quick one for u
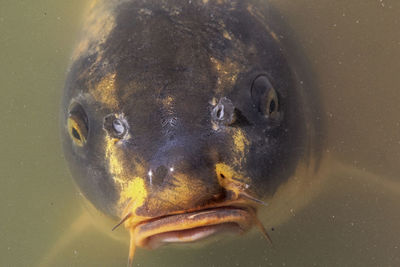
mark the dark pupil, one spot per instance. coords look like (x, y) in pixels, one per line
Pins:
(272, 106)
(219, 111)
(76, 134)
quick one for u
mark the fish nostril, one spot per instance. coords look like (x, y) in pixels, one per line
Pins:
(160, 174)
(224, 112)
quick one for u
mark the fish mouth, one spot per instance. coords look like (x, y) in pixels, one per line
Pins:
(193, 226)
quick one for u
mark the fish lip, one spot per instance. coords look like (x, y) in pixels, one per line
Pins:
(193, 226)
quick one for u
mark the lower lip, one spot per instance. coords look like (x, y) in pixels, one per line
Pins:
(192, 235)
(192, 226)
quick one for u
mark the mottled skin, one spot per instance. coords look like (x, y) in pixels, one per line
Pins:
(161, 67)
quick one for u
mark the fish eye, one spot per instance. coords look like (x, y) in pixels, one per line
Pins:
(78, 126)
(265, 98)
(115, 126)
(272, 104)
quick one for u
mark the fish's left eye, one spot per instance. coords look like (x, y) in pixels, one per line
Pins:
(265, 98)
(78, 126)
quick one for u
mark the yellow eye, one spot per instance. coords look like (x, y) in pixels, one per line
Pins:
(265, 98)
(77, 125)
(272, 104)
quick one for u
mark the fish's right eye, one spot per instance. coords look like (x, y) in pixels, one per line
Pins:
(78, 127)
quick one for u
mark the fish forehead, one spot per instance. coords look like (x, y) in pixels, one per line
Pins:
(147, 44)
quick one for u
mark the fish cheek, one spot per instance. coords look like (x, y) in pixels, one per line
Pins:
(127, 173)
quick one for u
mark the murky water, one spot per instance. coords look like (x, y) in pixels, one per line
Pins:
(353, 48)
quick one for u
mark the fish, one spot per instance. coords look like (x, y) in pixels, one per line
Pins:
(181, 120)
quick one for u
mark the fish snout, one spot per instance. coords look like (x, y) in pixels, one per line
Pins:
(185, 176)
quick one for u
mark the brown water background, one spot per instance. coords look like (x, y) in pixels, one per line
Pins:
(353, 46)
